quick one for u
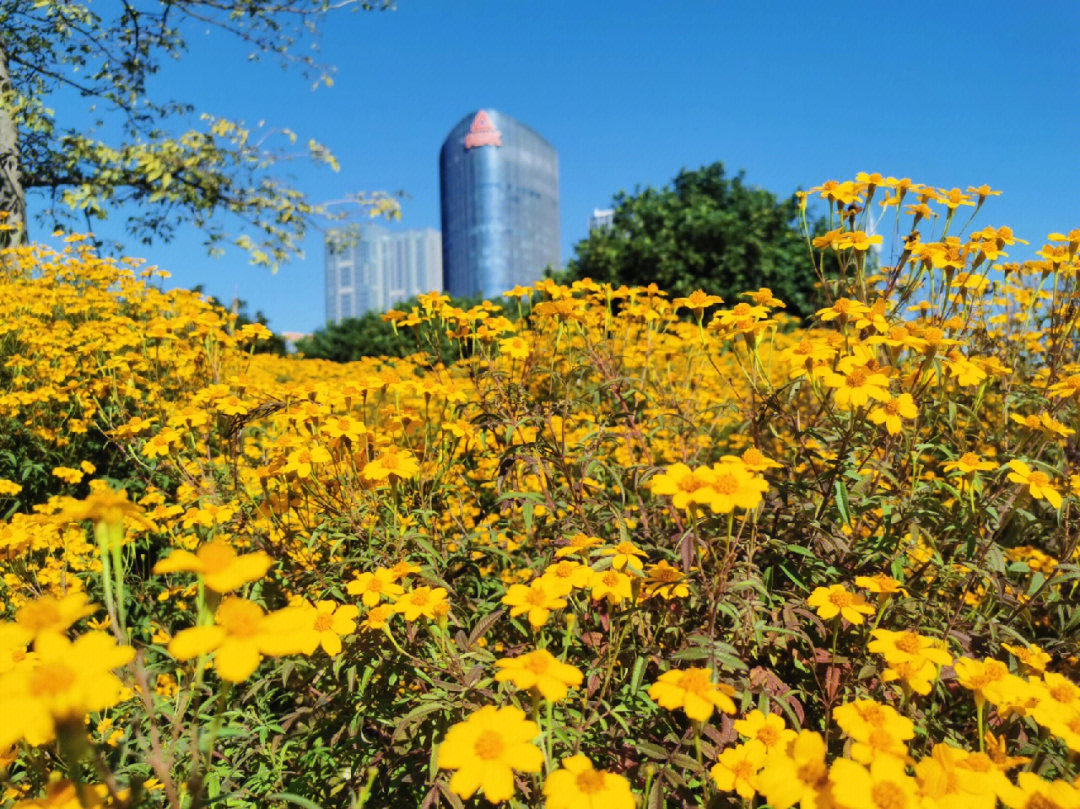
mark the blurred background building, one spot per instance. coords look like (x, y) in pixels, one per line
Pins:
(499, 195)
(601, 218)
(370, 268)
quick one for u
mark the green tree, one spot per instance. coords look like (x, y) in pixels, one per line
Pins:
(706, 231)
(126, 151)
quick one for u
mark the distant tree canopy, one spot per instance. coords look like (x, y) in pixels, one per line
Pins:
(706, 231)
(371, 336)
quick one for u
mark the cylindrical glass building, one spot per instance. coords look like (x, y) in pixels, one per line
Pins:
(499, 192)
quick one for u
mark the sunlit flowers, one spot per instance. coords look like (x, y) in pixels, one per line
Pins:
(578, 785)
(63, 682)
(221, 568)
(50, 615)
(240, 636)
(1038, 483)
(374, 586)
(536, 599)
(422, 602)
(737, 767)
(540, 671)
(693, 691)
(837, 600)
(486, 749)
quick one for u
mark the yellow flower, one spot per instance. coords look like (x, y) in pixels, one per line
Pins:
(893, 410)
(665, 581)
(541, 671)
(796, 773)
(1033, 792)
(537, 598)
(858, 386)
(737, 768)
(565, 575)
(222, 570)
(578, 543)
(986, 678)
(769, 729)
(67, 474)
(63, 682)
(486, 749)
(1031, 657)
(425, 601)
(330, 621)
(371, 587)
(49, 615)
(9, 487)
(731, 486)
(393, 464)
(1038, 483)
(63, 794)
(616, 587)
(835, 600)
(881, 584)
(577, 785)
(692, 690)
(883, 786)
(908, 647)
(625, 554)
(241, 635)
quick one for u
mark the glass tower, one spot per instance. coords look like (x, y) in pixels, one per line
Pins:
(499, 193)
(370, 268)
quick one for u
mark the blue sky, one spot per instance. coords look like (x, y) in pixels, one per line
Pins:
(951, 94)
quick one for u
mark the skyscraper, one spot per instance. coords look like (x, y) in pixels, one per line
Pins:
(373, 268)
(499, 192)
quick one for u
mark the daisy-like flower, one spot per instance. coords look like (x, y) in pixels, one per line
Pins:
(422, 601)
(50, 615)
(732, 486)
(616, 587)
(796, 773)
(893, 411)
(374, 586)
(625, 554)
(1038, 483)
(769, 729)
(880, 584)
(329, 621)
(908, 647)
(836, 600)
(1031, 657)
(578, 785)
(538, 598)
(737, 768)
(221, 568)
(665, 581)
(540, 671)
(486, 749)
(692, 690)
(578, 543)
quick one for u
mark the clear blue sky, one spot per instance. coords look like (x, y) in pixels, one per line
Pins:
(948, 93)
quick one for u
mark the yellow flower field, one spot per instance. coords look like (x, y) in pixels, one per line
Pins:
(625, 551)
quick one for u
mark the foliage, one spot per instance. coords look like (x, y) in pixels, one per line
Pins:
(377, 334)
(610, 554)
(707, 231)
(132, 153)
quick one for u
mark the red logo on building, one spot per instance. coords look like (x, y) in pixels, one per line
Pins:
(482, 132)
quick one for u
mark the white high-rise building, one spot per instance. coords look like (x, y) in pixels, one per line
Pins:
(373, 268)
(601, 218)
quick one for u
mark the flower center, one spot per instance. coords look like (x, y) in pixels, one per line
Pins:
(50, 679)
(419, 598)
(726, 484)
(768, 735)
(324, 622)
(1038, 479)
(696, 682)
(840, 598)
(590, 781)
(537, 664)
(887, 795)
(813, 773)
(856, 379)
(909, 642)
(489, 745)
(536, 598)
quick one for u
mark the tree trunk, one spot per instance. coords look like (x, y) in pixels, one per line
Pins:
(12, 194)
